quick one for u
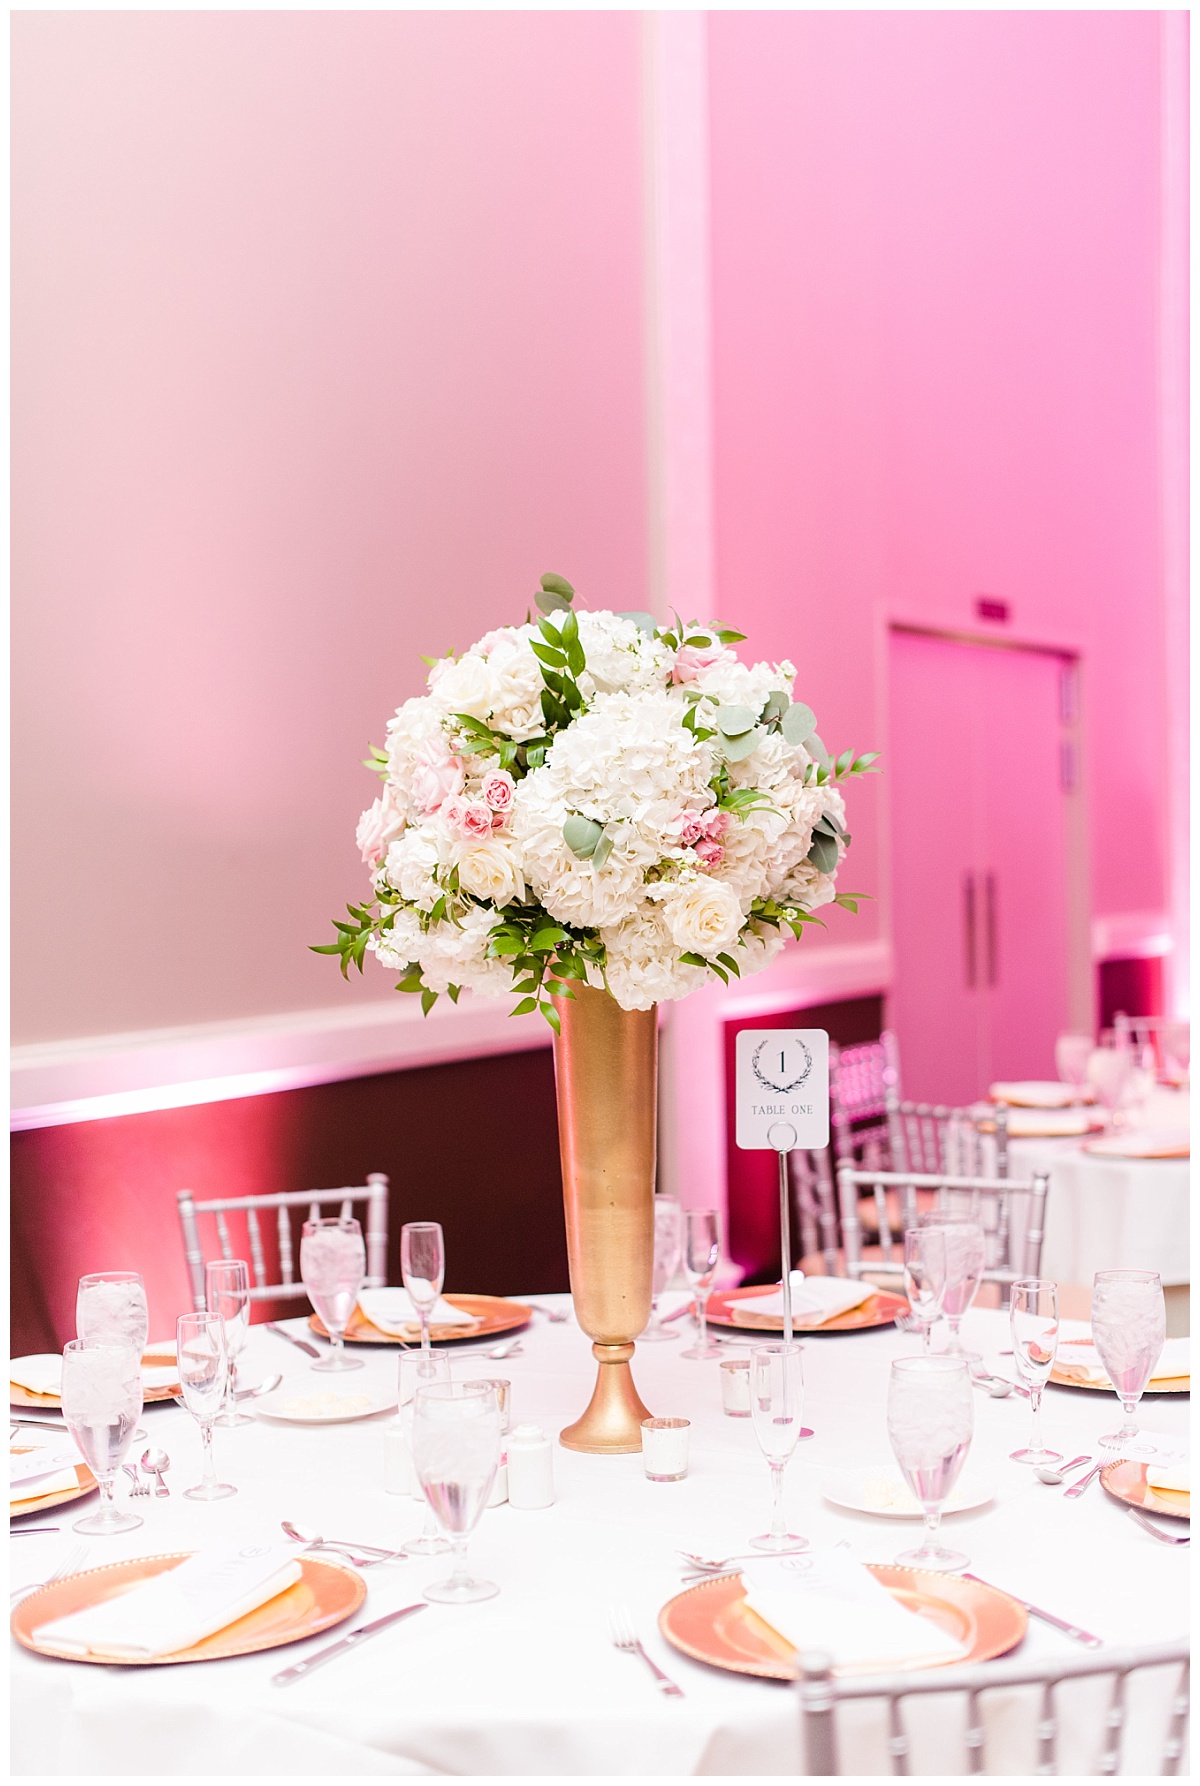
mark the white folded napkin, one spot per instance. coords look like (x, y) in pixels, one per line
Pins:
(172, 1611)
(1079, 1359)
(1034, 1094)
(1039, 1124)
(814, 1299)
(1175, 1479)
(824, 1600)
(43, 1471)
(393, 1311)
(41, 1374)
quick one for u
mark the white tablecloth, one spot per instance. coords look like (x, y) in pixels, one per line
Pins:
(528, 1682)
(1107, 1213)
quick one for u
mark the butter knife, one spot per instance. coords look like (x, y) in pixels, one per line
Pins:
(357, 1636)
(282, 1333)
(1047, 1618)
(1077, 1488)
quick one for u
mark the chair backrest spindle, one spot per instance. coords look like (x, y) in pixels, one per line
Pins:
(374, 1194)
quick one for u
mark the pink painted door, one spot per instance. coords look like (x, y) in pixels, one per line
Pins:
(979, 864)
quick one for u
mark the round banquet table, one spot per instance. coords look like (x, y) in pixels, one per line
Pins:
(528, 1682)
(1103, 1213)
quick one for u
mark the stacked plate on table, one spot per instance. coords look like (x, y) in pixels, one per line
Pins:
(1155, 1490)
(388, 1318)
(1142, 1144)
(45, 1476)
(819, 1305)
(35, 1381)
(1077, 1366)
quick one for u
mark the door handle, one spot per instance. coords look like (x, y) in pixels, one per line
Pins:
(969, 927)
(989, 926)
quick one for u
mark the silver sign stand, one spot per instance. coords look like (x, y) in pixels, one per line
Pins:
(782, 1137)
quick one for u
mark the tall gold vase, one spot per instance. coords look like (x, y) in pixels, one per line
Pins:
(606, 1068)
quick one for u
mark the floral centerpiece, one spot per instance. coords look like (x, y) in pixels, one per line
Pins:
(594, 797)
(597, 813)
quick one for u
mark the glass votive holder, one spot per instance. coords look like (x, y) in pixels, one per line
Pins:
(503, 1388)
(665, 1449)
(735, 1387)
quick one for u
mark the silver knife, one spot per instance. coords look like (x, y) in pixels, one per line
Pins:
(1077, 1488)
(281, 1333)
(348, 1642)
(1047, 1618)
(41, 1420)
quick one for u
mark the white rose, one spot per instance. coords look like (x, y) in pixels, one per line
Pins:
(412, 865)
(463, 687)
(703, 915)
(490, 870)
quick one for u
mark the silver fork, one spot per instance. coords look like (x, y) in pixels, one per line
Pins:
(1148, 1525)
(68, 1566)
(139, 1487)
(620, 1629)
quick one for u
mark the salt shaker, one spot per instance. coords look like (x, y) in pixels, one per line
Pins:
(530, 1468)
(399, 1477)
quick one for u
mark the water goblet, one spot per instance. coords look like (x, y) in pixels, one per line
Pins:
(101, 1403)
(776, 1408)
(333, 1264)
(1071, 1056)
(966, 1252)
(668, 1241)
(1033, 1324)
(110, 1309)
(423, 1269)
(456, 1453)
(227, 1294)
(701, 1251)
(1129, 1325)
(417, 1370)
(1108, 1070)
(930, 1418)
(925, 1277)
(203, 1373)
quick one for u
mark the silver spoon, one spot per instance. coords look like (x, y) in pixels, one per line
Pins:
(263, 1388)
(1052, 1477)
(154, 1462)
(361, 1554)
(715, 1565)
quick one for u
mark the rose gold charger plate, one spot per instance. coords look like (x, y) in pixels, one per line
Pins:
(326, 1594)
(490, 1314)
(879, 1310)
(712, 1623)
(42, 1503)
(1156, 1385)
(151, 1358)
(1126, 1481)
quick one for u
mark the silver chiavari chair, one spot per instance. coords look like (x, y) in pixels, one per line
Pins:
(811, 1179)
(374, 1194)
(1013, 1249)
(970, 1139)
(861, 1079)
(1160, 1727)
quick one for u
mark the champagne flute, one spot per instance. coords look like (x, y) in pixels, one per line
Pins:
(701, 1251)
(416, 1371)
(1071, 1056)
(930, 1420)
(668, 1220)
(110, 1310)
(456, 1453)
(1129, 1326)
(423, 1269)
(966, 1251)
(1033, 1324)
(925, 1277)
(203, 1373)
(776, 1407)
(227, 1294)
(333, 1264)
(101, 1403)
(1108, 1072)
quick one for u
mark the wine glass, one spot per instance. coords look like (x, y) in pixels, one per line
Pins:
(423, 1268)
(701, 1251)
(110, 1309)
(776, 1407)
(1129, 1325)
(930, 1420)
(1071, 1056)
(456, 1453)
(417, 1371)
(1175, 1040)
(966, 1252)
(925, 1277)
(203, 1373)
(1033, 1324)
(101, 1404)
(668, 1221)
(1108, 1071)
(333, 1264)
(227, 1294)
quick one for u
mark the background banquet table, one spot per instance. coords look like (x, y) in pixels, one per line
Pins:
(528, 1682)
(1101, 1209)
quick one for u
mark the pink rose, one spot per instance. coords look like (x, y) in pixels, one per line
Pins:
(692, 829)
(498, 790)
(436, 776)
(691, 659)
(469, 817)
(716, 823)
(373, 833)
(711, 854)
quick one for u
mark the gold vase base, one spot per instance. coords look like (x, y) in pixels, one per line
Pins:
(612, 1420)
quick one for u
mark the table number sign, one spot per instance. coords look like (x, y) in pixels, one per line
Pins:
(782, 1092)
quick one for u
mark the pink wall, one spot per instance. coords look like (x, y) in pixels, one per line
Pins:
(327, 342)
(935, 314)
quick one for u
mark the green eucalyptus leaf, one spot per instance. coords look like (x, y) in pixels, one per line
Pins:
(548, 601)
(798, 723)
(823, 853)
(644, 622)
(582, 835)
(815, 749)
(775, 706)
(734, 722)
(555, 585)
(736, 749)
(602, 851)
